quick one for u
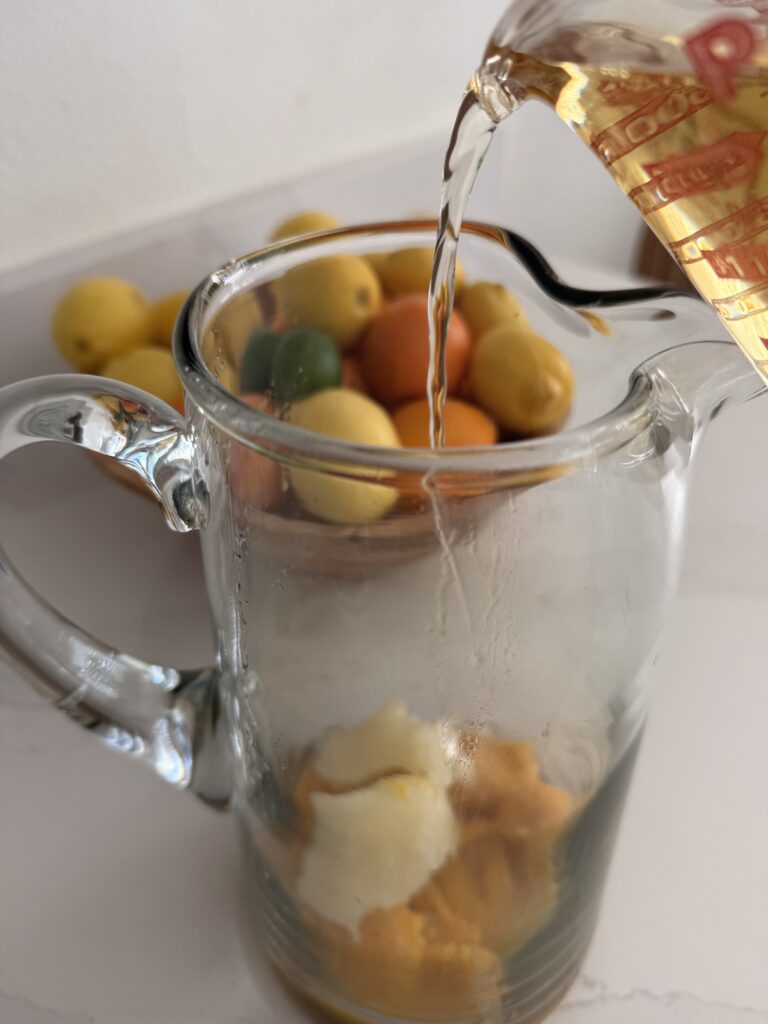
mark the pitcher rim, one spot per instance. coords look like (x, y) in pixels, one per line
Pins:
(282, 440)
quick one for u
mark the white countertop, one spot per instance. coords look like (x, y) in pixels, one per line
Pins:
(119, 896)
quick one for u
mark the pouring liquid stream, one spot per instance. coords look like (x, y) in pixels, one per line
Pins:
(695, 167)
(484, 104)
(471, 136)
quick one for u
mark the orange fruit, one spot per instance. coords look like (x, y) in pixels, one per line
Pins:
(395, 351)
(465, 424)
(256, 480)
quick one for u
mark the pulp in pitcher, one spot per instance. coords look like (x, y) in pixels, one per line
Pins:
(435, 872)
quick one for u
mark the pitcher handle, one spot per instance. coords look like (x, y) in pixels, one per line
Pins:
(164, 716)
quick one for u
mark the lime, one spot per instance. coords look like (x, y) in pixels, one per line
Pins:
(258, 357)
(307, 361)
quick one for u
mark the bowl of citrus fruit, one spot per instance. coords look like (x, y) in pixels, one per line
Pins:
(339, 346)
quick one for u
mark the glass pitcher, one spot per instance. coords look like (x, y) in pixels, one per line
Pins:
(673, 99)
(425, 724)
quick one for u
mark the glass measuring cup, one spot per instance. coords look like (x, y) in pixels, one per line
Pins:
(492, 646)
(673, 99)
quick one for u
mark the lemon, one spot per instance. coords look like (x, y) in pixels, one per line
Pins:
(303, 224)
(334, 294)
(349, 416)
(376, 261)
(152, 370)
(98, 318)
(164, 315)
(522, 380)
(486, 304)
(409, 270)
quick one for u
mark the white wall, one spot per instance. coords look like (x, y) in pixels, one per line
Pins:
(117, 113)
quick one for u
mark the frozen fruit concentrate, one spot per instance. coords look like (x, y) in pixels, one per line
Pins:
(374, 847)
(418, 923)
(392, 740)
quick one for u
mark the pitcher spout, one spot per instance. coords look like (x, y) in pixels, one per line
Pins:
(694, 382)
